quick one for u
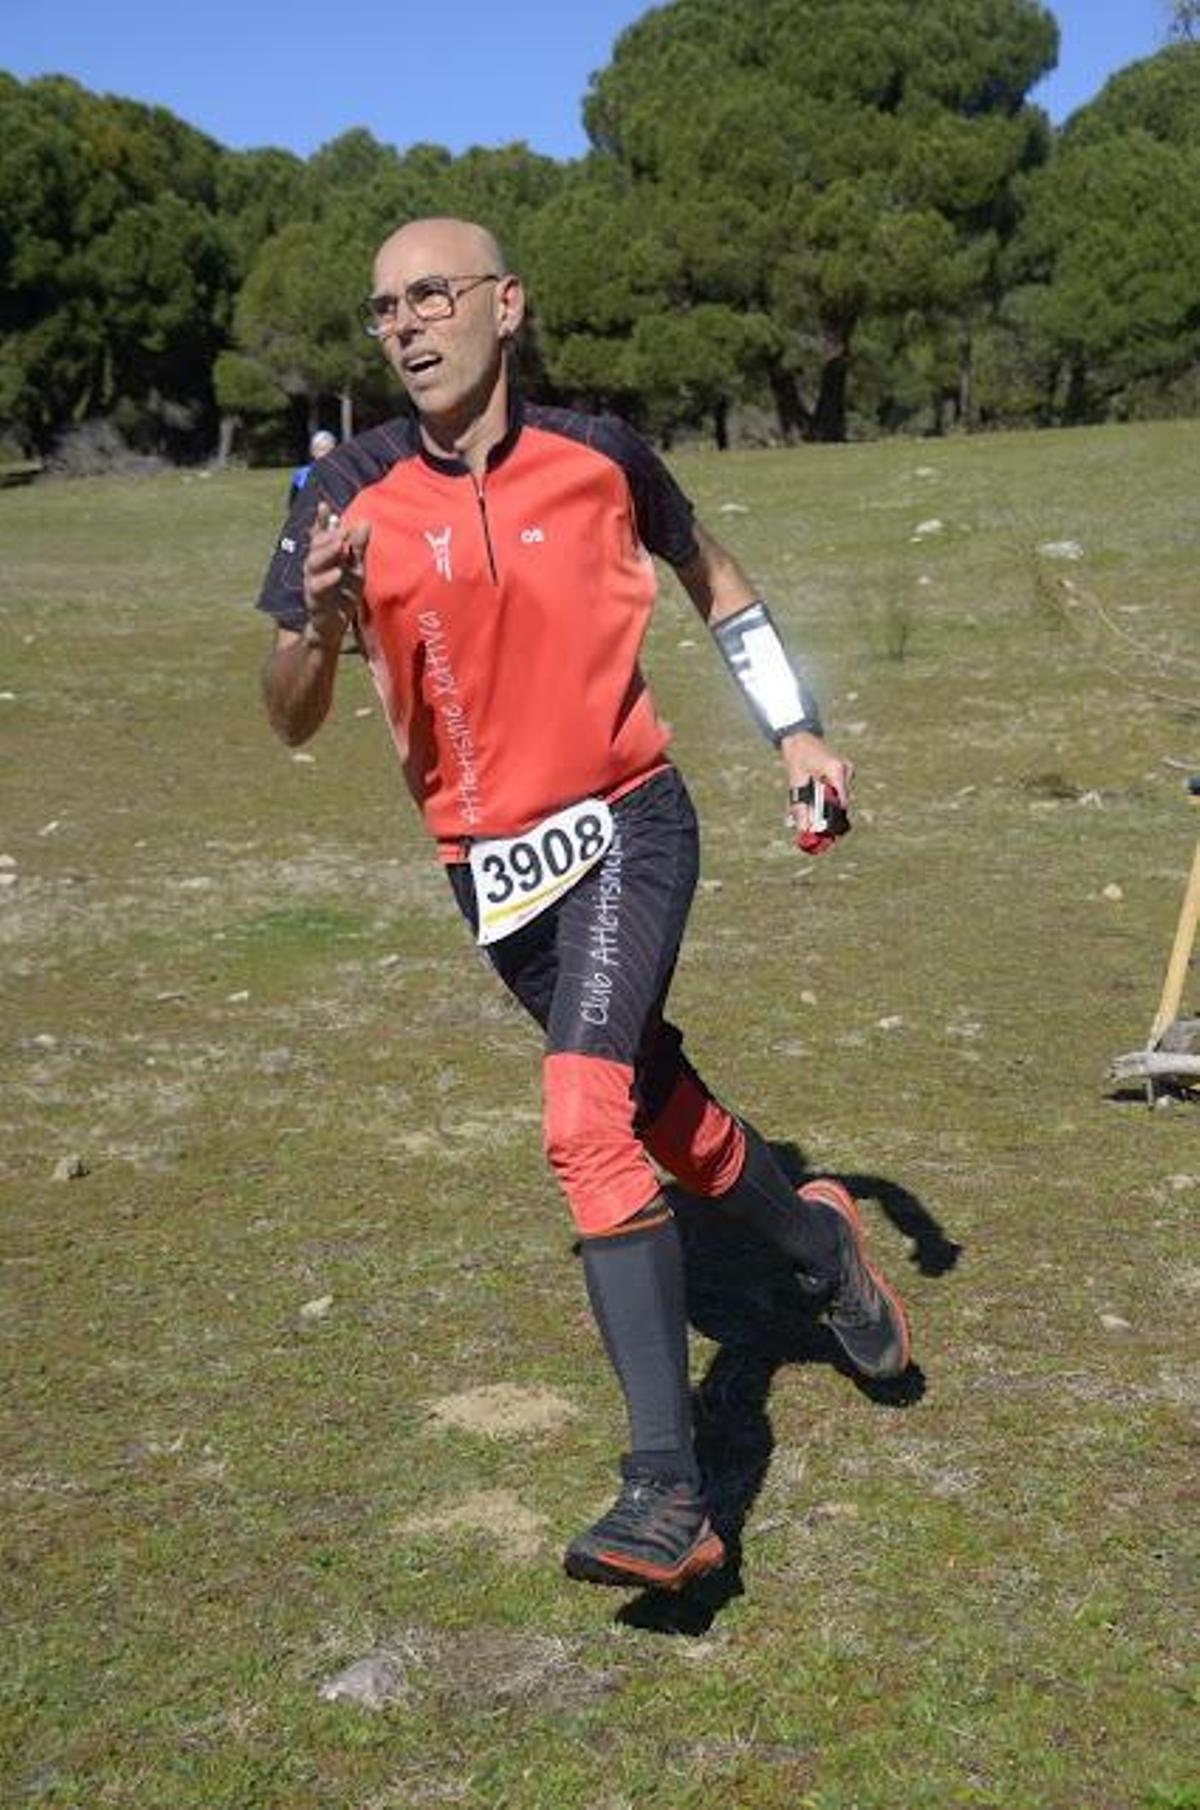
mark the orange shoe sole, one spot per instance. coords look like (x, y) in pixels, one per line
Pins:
(618, 1568)
(832, 1194)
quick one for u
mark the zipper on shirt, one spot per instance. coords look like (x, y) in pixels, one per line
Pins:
(487, 532)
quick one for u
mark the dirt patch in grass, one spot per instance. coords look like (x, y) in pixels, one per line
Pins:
(470, 1670)
(498, 1515)
(503, 1411)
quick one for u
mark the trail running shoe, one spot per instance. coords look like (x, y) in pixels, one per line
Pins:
(864, 1313)
(657, 1534)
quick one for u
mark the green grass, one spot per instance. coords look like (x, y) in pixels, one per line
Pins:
(234, 983)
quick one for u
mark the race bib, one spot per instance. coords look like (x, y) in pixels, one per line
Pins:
(516, 877)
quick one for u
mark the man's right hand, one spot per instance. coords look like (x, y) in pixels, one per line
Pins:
(334, 569)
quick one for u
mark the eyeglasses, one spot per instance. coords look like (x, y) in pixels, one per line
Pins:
(428, 299)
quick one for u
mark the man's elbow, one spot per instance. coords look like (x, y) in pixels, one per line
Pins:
(292, 724)
(291, 733)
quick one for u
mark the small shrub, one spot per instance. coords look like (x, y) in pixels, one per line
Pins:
(1047, 597)
(896, 621)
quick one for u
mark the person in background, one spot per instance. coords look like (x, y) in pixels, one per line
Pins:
(493, 559)
(322, 442)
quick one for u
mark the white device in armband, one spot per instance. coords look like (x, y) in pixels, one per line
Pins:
(756, 657)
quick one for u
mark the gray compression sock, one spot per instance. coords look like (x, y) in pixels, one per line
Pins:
(763, 1198)
(635, 1285)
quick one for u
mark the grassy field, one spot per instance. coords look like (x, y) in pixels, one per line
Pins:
(300, 1372)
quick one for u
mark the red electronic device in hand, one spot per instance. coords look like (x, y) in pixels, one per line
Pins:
(827, 816)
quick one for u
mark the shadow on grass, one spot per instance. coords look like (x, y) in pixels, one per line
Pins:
(742, 1295)
(1167, 1094)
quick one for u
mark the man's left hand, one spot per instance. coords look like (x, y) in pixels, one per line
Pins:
(809, 763)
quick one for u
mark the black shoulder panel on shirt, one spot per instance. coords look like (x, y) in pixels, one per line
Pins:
(337, 478)
(664, 514)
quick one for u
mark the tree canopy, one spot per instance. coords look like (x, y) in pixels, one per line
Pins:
(1107, 257)
(800, 218)
(855, 158)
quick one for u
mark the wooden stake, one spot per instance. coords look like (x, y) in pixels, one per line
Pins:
(1181, 955)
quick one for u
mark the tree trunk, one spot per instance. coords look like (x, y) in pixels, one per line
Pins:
(966, 374)
(720, 416)
(1047, 415)
(1075, 408)
(346, 405)
(226, 434)
(829, 416)
(795, 421)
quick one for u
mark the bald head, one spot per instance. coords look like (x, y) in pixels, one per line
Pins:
(445, 245)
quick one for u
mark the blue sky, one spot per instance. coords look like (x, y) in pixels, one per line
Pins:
(459, 72)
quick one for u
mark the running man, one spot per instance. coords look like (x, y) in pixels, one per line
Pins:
(493, 559)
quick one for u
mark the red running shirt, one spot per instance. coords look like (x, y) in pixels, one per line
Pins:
(503, 618)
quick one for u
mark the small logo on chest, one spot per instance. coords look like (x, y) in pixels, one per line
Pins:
(532, 537)
(439, 546)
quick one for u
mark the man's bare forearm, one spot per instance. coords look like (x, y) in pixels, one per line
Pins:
(714, 580)
(297, 686)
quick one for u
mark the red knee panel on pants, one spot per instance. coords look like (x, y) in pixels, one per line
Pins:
(587, 1129)
(694, 1137)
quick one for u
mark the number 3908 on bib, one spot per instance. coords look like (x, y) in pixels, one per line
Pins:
(516, 877)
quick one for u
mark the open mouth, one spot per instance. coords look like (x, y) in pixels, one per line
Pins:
(420, 363)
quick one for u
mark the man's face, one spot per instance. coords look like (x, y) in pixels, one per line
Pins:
(451, 367)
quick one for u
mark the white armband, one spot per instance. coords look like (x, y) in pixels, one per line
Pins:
(756, 657)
